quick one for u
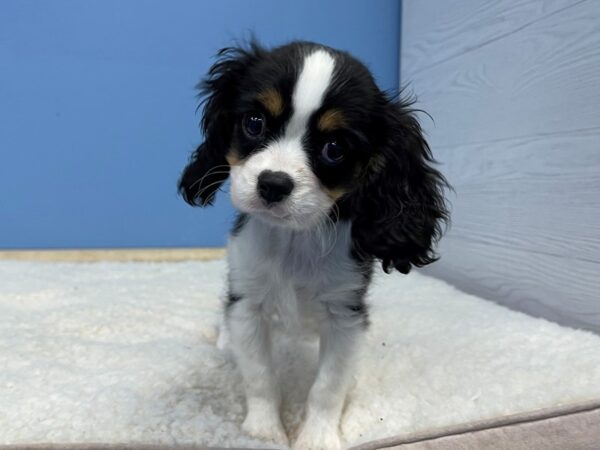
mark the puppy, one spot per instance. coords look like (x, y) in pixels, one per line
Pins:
(329, 175)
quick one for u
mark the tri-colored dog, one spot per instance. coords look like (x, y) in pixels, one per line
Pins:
(329, 174)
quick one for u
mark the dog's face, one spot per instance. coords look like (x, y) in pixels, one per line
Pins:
(307, 136)
(291, 154)
(301, 134)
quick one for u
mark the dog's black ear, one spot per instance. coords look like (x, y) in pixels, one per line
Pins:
(400, 207)
(208, 167)
(202, 177)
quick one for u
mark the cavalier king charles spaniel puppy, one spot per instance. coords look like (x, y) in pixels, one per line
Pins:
(329, 175)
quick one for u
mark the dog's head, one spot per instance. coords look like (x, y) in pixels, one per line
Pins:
(306, 136)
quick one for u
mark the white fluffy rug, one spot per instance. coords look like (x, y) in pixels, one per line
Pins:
(126, 352)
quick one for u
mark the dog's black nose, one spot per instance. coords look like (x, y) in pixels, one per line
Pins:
(274, 186)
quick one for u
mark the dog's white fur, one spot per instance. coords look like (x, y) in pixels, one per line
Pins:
(301, 279)
(290, 263)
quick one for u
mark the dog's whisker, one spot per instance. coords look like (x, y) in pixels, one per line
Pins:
(221, 172)
(208, 186)
(208, 198)
(202, 191)
(199, 181)
(210, 172)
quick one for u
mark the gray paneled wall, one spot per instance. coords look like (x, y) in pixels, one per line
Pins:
(514, 90)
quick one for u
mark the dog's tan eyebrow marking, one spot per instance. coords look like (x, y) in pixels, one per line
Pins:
(331, 120)
(272, 100)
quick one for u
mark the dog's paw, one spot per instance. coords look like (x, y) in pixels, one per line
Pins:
(318, 435)
(266, 428)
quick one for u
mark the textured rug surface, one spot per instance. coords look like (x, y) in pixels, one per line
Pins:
(126, 352)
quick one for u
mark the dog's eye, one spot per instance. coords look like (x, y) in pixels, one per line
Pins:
(332, 153)
(254, 124)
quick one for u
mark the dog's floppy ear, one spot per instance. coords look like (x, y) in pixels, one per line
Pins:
(400, 207)
(208, 167)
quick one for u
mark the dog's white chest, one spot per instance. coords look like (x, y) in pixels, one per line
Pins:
(290, 272)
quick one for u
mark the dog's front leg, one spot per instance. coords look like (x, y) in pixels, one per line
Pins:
(339, 337)
(250, 342)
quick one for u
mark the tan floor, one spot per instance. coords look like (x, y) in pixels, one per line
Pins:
(120, 254)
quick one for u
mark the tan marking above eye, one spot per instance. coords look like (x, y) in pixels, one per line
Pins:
(331, 120)
(272, 101)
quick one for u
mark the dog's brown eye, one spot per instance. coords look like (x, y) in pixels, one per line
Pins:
(332, 153)
(254, 124)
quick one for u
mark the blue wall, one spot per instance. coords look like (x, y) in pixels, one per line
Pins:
(97, 108)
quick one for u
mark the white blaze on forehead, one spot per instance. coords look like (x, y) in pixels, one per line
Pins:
(313, 81)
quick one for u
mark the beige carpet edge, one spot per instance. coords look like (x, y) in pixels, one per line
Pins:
(115, 254)
(540, 416)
